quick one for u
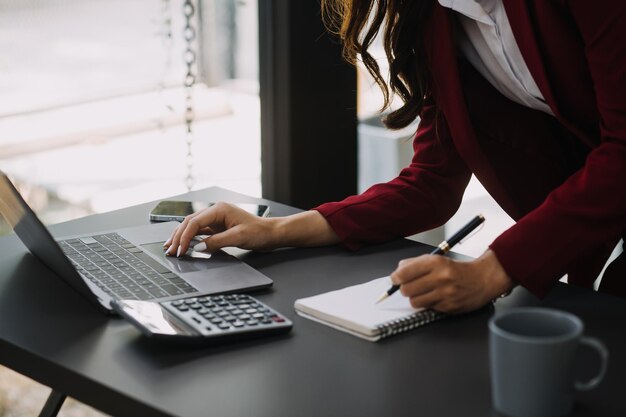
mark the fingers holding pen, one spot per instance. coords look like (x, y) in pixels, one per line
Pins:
(451, 286)
(428, 281)
(411, 269)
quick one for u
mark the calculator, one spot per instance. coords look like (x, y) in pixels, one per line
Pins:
(204, 319)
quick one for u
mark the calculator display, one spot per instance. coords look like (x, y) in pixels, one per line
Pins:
(157, 319)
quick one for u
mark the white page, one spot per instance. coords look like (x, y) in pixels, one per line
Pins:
(355, 307)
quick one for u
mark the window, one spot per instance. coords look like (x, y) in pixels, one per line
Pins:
(92, 101)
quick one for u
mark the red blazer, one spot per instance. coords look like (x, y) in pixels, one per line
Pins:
(562, 179)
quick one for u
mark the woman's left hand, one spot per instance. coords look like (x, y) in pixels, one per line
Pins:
(449, 286)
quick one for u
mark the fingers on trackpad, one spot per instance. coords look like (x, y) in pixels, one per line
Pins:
(198, 255)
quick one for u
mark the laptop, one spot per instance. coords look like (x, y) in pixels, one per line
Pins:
(126, 263)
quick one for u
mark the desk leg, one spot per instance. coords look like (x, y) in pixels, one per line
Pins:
(53, 404)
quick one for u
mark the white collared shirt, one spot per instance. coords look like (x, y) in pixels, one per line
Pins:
(488, 43)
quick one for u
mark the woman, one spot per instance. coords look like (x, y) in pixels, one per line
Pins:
(529, 96)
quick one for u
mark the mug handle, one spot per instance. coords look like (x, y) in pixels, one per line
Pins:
(599, 347)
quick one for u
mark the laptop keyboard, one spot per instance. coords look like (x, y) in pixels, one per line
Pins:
(121, 269)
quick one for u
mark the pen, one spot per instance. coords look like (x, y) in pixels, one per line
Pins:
(444, 247)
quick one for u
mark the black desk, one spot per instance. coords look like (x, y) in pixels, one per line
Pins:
(49, 333)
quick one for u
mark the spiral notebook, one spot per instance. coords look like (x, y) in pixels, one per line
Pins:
(354, 310)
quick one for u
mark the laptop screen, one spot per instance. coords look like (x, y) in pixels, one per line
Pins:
(10, 206)
(35, 236)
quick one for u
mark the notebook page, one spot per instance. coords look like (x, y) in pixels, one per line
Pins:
(355, 307)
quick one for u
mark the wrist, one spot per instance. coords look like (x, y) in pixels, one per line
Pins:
(498, 282)
(308, 228)
(278, 230)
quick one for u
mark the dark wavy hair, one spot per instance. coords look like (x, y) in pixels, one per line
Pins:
(358, 22)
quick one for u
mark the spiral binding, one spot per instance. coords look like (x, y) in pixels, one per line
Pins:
(410, 322)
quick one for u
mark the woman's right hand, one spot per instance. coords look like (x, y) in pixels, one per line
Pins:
(229, 225)
(226, 225)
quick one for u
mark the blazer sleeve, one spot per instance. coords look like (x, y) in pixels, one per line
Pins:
(589, 208)
(425, 194)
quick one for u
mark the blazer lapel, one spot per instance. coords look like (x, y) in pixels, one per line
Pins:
(525, 27)
(521, 24)
(448, 92)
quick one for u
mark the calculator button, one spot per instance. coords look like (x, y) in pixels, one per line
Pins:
(225, 315)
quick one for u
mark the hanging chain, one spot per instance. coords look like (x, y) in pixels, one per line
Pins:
(167, 40)
(189, 56)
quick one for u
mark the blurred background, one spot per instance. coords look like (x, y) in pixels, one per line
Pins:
(93, 102)
(109, 103)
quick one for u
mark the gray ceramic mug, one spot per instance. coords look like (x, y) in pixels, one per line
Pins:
(532, 352)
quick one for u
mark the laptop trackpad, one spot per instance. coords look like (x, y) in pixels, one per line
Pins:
(221, 272)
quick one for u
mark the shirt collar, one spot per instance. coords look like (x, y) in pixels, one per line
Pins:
(474, 9)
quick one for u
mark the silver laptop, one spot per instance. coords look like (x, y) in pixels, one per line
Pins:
(127, 263)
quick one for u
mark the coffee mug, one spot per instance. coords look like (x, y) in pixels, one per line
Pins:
(532, 352)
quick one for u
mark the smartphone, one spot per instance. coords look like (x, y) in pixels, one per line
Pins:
(168, 210)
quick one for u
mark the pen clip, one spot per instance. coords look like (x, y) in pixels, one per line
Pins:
(478, 229)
